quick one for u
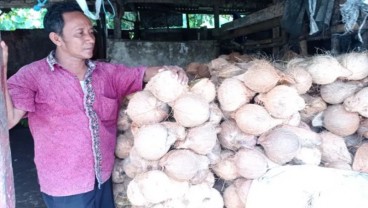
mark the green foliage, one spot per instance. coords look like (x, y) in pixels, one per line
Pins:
(127, 22)
(26, 18)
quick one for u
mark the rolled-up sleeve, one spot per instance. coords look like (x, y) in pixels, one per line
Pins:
(22, 90)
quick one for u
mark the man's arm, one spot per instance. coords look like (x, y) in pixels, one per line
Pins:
(179, 72)
(14, 115)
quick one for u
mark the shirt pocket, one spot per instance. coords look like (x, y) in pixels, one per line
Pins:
(107, 108)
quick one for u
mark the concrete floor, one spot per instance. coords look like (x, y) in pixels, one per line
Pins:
(27, 191)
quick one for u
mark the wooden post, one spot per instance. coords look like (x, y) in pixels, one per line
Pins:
(335, 41)
(117, 20)
(275, 35)
(7, 194)
(217, 16)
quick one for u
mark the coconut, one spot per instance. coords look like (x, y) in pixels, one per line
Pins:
(360, 159)
(204, 88)
(280, 145)
(250, 163)
(172, 164)
(154, 187)
(124, 144)
(200, 139)
(226, 167)
(339, 121)
(232, 138)
(153, 141)
(144, 108)
(303, 80)
(358, 102)
(232, 93)
(282, 101)
(165, 86)
(357, 63)
(338, 91)
(261, 76)
(324, 69)
(334, 149)
(191, 110)
(254, 119)
(313, 106)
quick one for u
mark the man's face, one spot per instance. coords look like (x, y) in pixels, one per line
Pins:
(77, 39)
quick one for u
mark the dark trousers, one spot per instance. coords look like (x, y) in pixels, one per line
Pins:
(97, 198)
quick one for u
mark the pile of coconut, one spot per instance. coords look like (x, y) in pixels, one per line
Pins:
(201, 144)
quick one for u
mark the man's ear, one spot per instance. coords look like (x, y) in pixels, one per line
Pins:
(55, 38)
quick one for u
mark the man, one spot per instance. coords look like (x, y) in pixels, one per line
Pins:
(72, 106)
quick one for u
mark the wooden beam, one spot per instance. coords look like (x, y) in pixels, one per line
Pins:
(249, 29)
(269, 13)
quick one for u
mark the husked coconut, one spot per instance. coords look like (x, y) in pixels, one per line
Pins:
(191, 110)
(123, 120)
(232, 93)
(175, 130)
(307, 137)
(118, 175)
(303, 80)
(334, 149)
(216, 114)
(144, 108)
(280, 145)
(308, 156)
(293, 120)
(214, 154)
(119, 192)
(183, 165)
(198, 70)
(232, 138)
(153, 141)
(254, 119)
(231, 198)
(226, 167)
(217, 64)
(313, 106)
(363, 128)
(250, 163)
(324, 69)
(358, 102)
(205, 88)
(154, 187)
(282, 101)
(356, 62)
(134, 164)
(202, 195)
(338, 91)
(165, 86)
(360, 159)
(339, 121)
(261, 76)
(124, 144)
(200, 139)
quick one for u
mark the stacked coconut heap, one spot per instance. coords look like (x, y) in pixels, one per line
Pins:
(202, 144)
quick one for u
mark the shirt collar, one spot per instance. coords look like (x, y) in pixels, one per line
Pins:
(51, 60)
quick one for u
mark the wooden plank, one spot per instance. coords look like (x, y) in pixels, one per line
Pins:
(269, 13)
(7, 195)
(248, 30)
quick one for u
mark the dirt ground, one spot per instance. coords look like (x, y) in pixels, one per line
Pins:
(27, 191)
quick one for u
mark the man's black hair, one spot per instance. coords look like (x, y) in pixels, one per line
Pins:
(53, 20)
